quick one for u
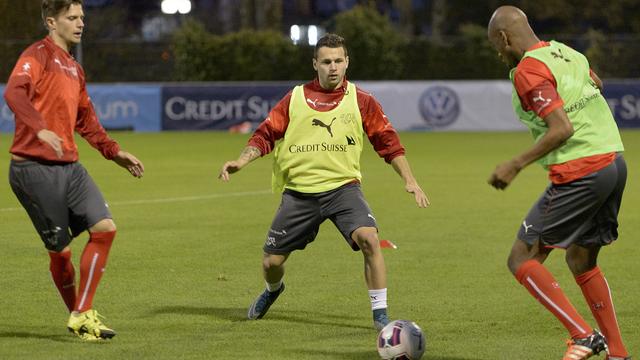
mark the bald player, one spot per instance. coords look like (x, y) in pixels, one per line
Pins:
(558, 97)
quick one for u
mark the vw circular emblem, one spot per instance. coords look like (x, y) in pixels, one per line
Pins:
(439, 106)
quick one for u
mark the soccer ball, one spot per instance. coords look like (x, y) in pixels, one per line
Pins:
(401, 340)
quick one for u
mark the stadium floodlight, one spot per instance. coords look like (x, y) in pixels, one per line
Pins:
(294, 33)
(176, 6)
(312, 35)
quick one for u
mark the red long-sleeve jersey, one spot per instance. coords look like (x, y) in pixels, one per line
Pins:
(47, 90)
(381, 134)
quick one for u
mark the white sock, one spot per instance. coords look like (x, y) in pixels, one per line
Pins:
(274, 286)
(378, 298)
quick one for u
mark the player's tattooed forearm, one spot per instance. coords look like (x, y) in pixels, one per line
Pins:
(250, 153)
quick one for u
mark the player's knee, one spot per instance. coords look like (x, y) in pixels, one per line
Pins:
(581, 259)
(368, 243)
(577, 264)
(272, 260)
(513, 264)
(104, 225)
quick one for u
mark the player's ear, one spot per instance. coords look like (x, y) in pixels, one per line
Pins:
(346, 59)
(315, 64)
(51, 23)
(504, 38)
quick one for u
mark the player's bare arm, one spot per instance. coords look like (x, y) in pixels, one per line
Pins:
(560, 130)
(129, 162)
(52, 139)
(247, 155)
(401, 166)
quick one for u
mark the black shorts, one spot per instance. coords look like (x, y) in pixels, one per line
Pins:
(61, 199)
(583, 212)
(299, 217)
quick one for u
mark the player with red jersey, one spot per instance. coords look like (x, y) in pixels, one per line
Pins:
(558, 97)
(47, 93)
(316, 133)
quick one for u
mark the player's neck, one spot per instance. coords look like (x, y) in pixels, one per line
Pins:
(59, 41)
(329, 88)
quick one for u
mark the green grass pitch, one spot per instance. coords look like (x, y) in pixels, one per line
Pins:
(186, 262)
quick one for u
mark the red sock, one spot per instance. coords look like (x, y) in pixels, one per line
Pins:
(64, 276)
(596, 291)
(92, 263)
(543, 286)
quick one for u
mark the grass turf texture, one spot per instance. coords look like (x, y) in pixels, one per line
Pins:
(185, 264)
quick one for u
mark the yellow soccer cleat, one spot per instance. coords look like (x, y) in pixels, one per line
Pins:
(89, 323)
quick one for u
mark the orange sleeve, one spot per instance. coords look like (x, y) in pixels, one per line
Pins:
(381, 134)
(272, 128)
(536, 87)
(21, 88)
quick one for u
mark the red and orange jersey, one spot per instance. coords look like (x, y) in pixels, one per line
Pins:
(381, 134)
(47, 90)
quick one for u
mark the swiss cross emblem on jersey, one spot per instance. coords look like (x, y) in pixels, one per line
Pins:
(26, 67)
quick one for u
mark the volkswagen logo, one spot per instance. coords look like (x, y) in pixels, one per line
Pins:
(439, 106)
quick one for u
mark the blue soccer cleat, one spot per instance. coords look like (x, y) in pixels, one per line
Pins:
(380, 318)
(262, 303)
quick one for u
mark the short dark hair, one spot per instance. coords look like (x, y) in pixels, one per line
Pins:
(53, 8)
(332, 41)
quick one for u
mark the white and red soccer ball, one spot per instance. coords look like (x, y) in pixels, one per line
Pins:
(401, 340)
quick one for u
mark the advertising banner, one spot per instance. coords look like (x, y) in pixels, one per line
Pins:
(201, 107)
(446, 105)
(410, 105)
(6, 116)
(118, 106)
(127, 107)
(624, 100)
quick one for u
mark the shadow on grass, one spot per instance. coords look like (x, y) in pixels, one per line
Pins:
(336, 354)
(367, 355)
(240, 314)
(30, 335)
(231, 314)
(319, 319)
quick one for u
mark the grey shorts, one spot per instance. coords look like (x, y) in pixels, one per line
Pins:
(583, 212)
(61, 199)
(298, 219)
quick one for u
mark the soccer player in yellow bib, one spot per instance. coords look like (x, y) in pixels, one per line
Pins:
(316, 132)
(557, 96)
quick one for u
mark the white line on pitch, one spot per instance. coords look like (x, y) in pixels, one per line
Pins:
(174, 199)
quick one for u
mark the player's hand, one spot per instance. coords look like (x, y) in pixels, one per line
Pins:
(129, 162)
(504, 174)
(229, 168)
(53, 140)
(421, 197)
